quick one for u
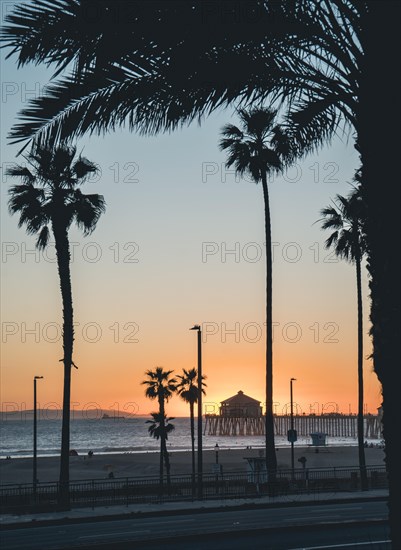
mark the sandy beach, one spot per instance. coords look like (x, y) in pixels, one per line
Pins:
(19, 470)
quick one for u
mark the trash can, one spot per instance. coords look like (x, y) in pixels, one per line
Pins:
(318, 439)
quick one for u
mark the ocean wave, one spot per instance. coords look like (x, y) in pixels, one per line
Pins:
(122, 449)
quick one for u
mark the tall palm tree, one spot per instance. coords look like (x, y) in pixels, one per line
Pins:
(328, 60)
(253, 149)
(156, 429)
(49, 201)
(346, 218)
(160, 386)
(188, 390)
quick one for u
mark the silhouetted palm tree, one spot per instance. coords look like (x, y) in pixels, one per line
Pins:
(156, 429)
(49, 201)
(188, 390)
(160, 386)
(253, 149)
(346, 217)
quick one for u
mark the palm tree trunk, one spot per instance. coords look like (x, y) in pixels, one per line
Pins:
(164, 454)
(63, 264)
(162, 443)
(167, 464)
(377, 140)
(271, 460)
(192, 417)
(361, 446)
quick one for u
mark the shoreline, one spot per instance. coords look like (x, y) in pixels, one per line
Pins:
(303, 442)
(146, 463)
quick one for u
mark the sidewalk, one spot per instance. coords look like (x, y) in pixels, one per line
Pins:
(103, 513)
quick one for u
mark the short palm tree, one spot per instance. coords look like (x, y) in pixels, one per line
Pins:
(161, 386)
(49, 201)
(155, 430)
(188, 390)
(254, 148)
(345, 218)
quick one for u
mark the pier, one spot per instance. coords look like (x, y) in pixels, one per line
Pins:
(335, 425)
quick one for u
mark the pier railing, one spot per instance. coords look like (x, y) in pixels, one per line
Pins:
(126, 491)
(334, 425)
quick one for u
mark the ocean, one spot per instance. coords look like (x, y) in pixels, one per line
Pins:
(125, 435)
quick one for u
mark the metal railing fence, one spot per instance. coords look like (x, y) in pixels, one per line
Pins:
(126, 491)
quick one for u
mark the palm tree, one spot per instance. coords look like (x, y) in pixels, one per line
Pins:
(346, 217)
(188, 391)
(328, 60)
(160, 386)
(49, 201)
(156, 429)
(253, 149)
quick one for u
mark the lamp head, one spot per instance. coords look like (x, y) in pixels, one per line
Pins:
(293, 379)
(38, 377)
(195, 327)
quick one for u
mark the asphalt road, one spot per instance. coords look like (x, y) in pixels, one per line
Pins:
(287, 528)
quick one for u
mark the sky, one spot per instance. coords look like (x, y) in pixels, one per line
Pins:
(182, 243)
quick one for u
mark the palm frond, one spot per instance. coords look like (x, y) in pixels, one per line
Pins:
(22, 196)
(41, 32)
(87, 210)
(259, 121)
(331, 240)
(43, 238)
(22, 172)
(157, 77)
(231, 132)
(83, 168)
(311, 123)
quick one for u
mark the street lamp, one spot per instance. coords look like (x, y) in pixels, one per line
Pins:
(200, 462)
(35, 467)
(293, 434)
(217, 467)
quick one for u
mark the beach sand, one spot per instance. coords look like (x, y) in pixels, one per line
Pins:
(19, 470)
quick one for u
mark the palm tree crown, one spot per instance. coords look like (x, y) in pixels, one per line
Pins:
(159, 384)
(187, 386)
(258, 148)
(155, 428)
(49, 193)
(346, 217)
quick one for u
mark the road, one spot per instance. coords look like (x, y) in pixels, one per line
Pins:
(271, 528)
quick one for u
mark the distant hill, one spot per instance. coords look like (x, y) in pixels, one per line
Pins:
(105, 415)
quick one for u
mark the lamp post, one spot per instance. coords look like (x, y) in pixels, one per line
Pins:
(200, 461)
(293, 436)
(35, 466)
(217, 467)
